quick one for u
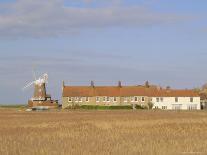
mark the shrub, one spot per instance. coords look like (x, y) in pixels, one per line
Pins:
(98, 107)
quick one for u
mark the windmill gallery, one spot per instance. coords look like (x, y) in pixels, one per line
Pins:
(139, 95)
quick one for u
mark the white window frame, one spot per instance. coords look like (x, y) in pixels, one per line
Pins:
(177, 106)
(164, 107)
(192, 106)
(157, 99)
(176, 99)
(104, 99)
(76, 99)
(125, 99)
(142, 98)
(161, 99)
(107, 99)
(114, 99)
(136, 99)
(87, 99)
(70, 99)
(80, 99)
(97, 99)
(191, 99)
(132, 98)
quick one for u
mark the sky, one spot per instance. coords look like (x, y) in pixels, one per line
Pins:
(162, 41)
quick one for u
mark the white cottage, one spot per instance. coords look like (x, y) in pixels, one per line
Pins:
(176, 100)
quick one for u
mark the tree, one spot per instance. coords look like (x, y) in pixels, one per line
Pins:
(204, 87)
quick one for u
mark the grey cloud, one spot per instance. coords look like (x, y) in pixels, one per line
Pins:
(50, 18)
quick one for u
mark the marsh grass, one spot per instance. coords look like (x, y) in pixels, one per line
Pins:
(103, 132)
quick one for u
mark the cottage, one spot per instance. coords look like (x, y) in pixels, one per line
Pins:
(165, 99)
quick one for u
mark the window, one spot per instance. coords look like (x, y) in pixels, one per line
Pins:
(80, 99)
(157, 99)
(108, 99)
(156, 107)
(177, 106)
(164, 107)
(70, 99)
(191, 99)
(97, 99)
(115, 99)
(104, 99)
(176, 99)
(192, 106)
(136, 99)
(125, 99)
(143, 99)
(161, 99)
(76, 99)
(87, 99)
(132, 99)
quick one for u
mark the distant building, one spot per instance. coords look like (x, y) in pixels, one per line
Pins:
(166, 99)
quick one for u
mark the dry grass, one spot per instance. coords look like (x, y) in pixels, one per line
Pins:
(102, 132)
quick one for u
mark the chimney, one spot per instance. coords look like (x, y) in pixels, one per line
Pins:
(92, 84)
(119, 84)
(168, 87)
(147, 84)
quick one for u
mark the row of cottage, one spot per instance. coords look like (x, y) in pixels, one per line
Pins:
(166, 99)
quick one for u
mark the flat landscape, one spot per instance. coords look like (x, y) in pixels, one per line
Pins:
(102, 132)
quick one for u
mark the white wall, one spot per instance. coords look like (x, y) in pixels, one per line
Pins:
(184, 102)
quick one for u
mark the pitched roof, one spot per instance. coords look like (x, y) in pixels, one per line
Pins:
(88, 91)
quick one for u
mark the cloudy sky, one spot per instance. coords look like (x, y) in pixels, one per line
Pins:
(163, 41)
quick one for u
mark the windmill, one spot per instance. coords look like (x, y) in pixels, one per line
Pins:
(39, 88)
(40, 96)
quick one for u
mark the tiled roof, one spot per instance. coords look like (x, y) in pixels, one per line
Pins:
(89, 91)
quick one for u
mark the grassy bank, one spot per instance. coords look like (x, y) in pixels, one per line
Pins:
(13, 106)
(98, 107)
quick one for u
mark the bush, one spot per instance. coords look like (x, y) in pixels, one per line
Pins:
(97, 107)
(140, 107)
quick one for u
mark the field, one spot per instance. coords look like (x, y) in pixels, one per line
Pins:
(102, 132)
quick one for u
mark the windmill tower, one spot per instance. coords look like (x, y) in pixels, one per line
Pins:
(40, 96)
